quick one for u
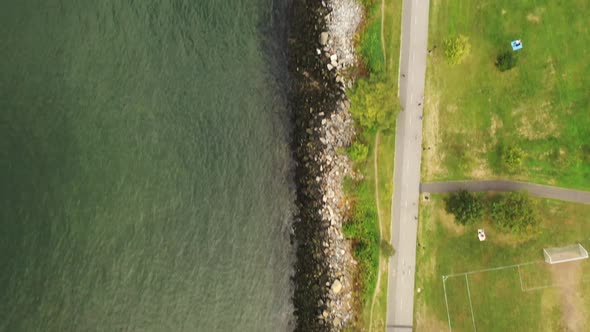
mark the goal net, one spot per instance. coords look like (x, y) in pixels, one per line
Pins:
(565, 254)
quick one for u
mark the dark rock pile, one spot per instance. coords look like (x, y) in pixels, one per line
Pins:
(323, 271)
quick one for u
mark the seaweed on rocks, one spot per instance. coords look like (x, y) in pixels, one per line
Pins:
(314, 98)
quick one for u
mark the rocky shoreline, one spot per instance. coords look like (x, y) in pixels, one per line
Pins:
(320, 47)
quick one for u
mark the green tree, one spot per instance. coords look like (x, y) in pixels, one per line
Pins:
(456, 49)
(513, 158)
(374, 103)
(465, 206)
(515, 212)
(506, 61)
(358, 152)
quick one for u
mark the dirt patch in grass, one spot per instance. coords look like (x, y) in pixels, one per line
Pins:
(504, 239)
(541, 122)
(550, 72)
(535, 17)
(448, 221)
(569, 274)
(496, 124)
(431, 138)
(427, 322)
(481, 170)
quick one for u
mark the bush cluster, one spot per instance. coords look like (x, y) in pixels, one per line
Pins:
(358, 152)
(362, 229)
(506, 61)
(512, 158)
(372, 104)
(467, 207)
(514, 212)
(456, 49)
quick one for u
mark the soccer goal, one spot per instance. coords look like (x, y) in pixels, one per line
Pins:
(565, 254)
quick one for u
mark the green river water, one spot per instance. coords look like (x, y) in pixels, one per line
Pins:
(144, 167)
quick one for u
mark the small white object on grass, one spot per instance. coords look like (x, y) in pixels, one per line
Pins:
(481, 234)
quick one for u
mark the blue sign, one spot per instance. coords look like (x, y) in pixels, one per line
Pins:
(516, 45)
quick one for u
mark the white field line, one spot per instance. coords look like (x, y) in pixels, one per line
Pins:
(567, 260)
(470, 305)
(554, 285)
(492, 269)
(444, 278)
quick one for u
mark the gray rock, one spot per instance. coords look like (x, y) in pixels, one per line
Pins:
(336, 322)
(336, 286)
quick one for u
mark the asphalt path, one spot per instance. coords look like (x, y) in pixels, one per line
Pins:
(408, 149)
(540, 190)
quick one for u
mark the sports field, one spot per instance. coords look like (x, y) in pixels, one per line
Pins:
(501, 284)
(473, 111)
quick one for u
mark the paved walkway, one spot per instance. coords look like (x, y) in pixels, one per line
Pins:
(540, 190)
(408, 150)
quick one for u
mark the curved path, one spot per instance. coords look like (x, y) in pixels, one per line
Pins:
(540, 190)
(378, 284)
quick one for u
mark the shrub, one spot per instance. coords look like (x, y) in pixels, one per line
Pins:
(363, 231)
(515, 212)
(513, 158)
(387, 249)
(358, 152)
(506, 61)
(456, 49)
(465, 206)
(373, 104)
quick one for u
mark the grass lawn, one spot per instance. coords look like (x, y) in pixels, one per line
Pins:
(474, 111)
(512, 298)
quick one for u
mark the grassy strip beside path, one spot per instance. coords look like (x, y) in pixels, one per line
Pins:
(381, 34)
